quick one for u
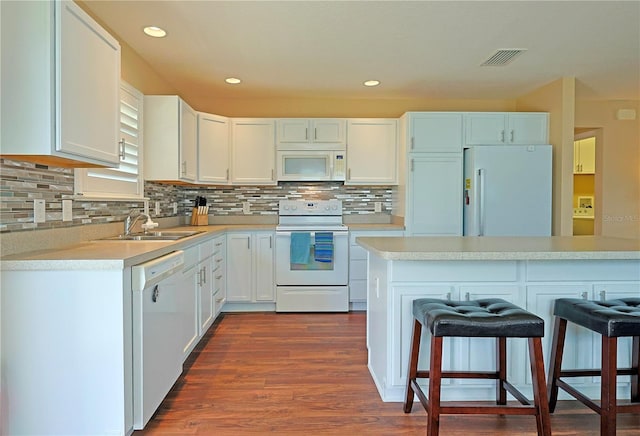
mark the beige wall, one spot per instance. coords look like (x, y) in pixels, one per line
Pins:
(557, 98)
(617, 165)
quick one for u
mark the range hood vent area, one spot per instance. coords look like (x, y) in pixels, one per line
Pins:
(502, 57)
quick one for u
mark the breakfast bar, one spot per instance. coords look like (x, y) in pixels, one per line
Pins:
(531, 272)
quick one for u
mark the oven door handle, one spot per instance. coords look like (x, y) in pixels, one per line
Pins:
(312, 233)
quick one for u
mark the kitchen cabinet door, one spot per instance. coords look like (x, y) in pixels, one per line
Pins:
(170, 139)
(253, 152)
(213, 149)
(372, 151)
(496, 128)
(205, 286)
(584, 156)
(219, 271)
(264, 266)
(250, 267)
(434, 195)
(60, 86)
(299, 133)
(439, 132)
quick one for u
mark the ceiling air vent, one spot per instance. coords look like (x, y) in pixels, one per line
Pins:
(502, 57)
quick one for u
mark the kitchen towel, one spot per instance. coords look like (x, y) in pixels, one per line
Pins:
(324, 247)
(300, 247)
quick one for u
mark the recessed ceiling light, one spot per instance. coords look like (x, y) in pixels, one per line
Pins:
(371, 83)
(232, 80)
(155, 31)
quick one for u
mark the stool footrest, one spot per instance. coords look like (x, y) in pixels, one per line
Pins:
(594, 372)
(516, 393)
(461, 374)
(620, 408)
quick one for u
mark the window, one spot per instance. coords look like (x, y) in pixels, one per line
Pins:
(124, 182)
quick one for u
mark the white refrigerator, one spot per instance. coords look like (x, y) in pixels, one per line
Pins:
(507, 190)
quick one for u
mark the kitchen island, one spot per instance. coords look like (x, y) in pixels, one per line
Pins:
(528, 271)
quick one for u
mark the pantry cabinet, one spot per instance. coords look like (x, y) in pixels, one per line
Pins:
(60, 86)
(432, 173)
(494, 128)
(584, 156)
(253, 152)
(250, 267)
(297, 133)
(372, 151)
(213, 149)
(170, 139)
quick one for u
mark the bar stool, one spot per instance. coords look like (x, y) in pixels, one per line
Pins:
(492, 317)
(611, 319)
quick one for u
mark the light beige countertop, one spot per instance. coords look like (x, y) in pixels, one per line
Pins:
(114, 254)
(374, 226)
(502, 248)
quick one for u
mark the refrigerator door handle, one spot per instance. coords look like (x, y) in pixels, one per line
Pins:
(480, 201)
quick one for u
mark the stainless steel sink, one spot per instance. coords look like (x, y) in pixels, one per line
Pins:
(159, 235)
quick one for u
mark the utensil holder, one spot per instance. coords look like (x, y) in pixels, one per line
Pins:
(198, 220)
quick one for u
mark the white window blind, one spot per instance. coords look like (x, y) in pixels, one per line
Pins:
(126, 181)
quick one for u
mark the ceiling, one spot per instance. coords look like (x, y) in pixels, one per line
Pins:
(416, 49)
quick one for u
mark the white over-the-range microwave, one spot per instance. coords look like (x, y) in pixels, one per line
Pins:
(311, 165)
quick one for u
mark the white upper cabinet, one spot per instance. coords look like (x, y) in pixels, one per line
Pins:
(439, 132)
(170, 139)
(253, 151)
(213, 149)
(301, 133)
(522, 128)
(584, 156)
(372, 151)
(60, 85)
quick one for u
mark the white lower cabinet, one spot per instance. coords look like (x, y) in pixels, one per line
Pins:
(358, 265)
(250, 274)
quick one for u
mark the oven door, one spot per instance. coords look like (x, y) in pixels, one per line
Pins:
(313, 273)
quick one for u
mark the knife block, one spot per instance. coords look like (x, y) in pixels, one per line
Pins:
(198, 220)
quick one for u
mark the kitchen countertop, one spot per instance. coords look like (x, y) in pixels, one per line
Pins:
(115, 254)
(502, 248)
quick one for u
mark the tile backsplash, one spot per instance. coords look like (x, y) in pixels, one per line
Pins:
(22, 182)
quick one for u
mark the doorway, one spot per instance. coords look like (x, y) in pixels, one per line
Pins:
(584, 182)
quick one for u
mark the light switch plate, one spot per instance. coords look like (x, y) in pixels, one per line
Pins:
(246, 207)
(39, 211)
(157, 211)
(377, 206)
(175, 208)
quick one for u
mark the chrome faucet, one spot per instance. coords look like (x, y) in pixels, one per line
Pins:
(129, 223)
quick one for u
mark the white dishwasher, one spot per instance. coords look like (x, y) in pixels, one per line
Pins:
(157, 355)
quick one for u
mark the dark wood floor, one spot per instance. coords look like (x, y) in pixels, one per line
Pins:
(297, 374)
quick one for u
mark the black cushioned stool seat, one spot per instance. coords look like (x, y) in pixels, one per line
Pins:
(491, 317)
(611, 319)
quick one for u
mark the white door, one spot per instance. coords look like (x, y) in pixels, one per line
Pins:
(188, 142)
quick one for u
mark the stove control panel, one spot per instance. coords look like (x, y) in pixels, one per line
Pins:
(310, 208)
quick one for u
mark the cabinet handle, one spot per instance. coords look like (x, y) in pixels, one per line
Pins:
(467, 296)
(511, 136)
(204, 275)
(306, 134)
(603, 295)
(219, 277)
(315, 133)
(218, 260)
(270, 247)
(122, 144)
(448, 296)
(412, 142)
(218, 244)
(272, 174)
(349, 174)
(184, 167)
(585, 295)
(502, 136)
(411, 165)
(227, 173)
(248, 243)
(218, 300)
